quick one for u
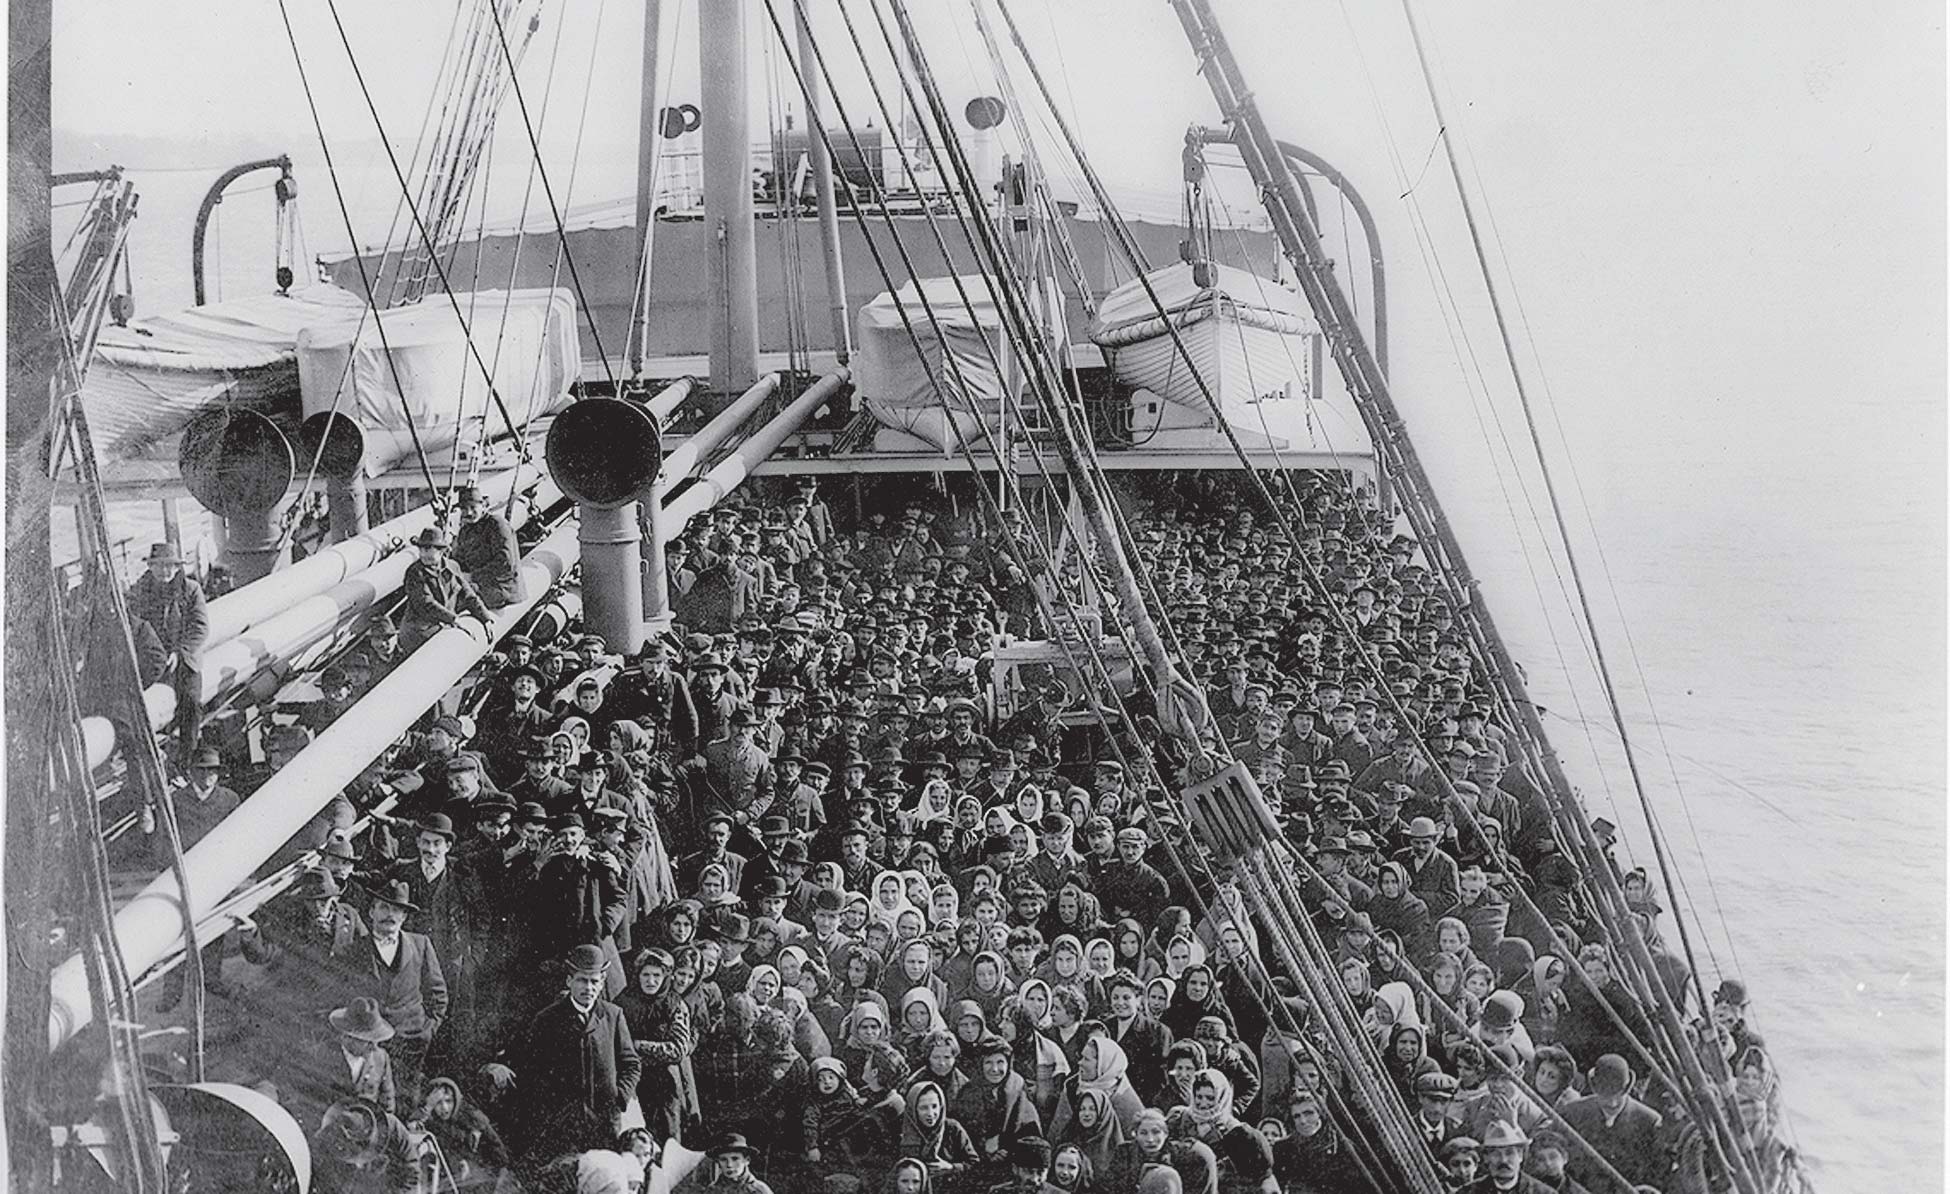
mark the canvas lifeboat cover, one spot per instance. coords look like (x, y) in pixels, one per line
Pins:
(1247, 337)
(1128, 315)
(898, 384)
(527, 337)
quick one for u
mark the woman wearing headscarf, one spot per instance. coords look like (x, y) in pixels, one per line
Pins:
(1407, 1058)
(1245, 1160)
(660, 1024)
(1313, 1158)
(864, 1030)
(920, 1020)
(1197, 996)
(1181, 953)
(911, 966)
(934, 802)
(908, 1176)
(989, 983)
(1033, 1055)
(1127, 937)
(1094, 1128)
(469, 1143)
(808, 1033)
(933, 1137)
(1394, 1004)
(887, 898)
(1397, 909)
(1757, 1097)
(1065, 967)
(1104, 1067)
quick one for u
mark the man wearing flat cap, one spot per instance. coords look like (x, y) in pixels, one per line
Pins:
(569, 1075)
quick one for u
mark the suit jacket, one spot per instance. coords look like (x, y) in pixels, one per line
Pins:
(1630, 1143)
(175, 611)
(436, 598)
(486, 550)
(412, 992)
(574, 1073)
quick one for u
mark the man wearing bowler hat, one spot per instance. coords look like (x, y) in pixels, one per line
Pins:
(171, 602)
(438, 594)
(570, 1073)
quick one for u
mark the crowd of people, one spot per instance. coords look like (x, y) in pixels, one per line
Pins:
(787, 887)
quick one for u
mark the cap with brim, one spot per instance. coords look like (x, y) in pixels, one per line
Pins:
(429, 537)
(532, 813)
(732, 1143)
(1423, 827)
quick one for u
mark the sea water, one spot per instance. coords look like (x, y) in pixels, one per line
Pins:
(1786, 606)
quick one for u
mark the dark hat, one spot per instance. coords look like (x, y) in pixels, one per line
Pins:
(494, 802)
(164, 553)
(587, 959)
(338, 847)
(1732, 992)
(1612, 1075)
(361, 1019)
(395, 892)
(1055, 822)
(610, 816)
(448, 725)
(774, 826)
(772, 887)
(732, 1142)
(430, 537)
(315, 885)
(795, 851)
(1331, 845)
(532, 813)
(531, 673)
(461, 763)
(207, 758)
(567, 821)
(828, 901)
(439, 823)
(734, 928)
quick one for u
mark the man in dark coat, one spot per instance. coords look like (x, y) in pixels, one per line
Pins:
(204, 802)
(437, 593)
(572, 1071)
(172, 604)
(655, 692)
(1623, 1130)
(1131, 886)
(401, 972)
(487, 552)
(1145, 1041)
